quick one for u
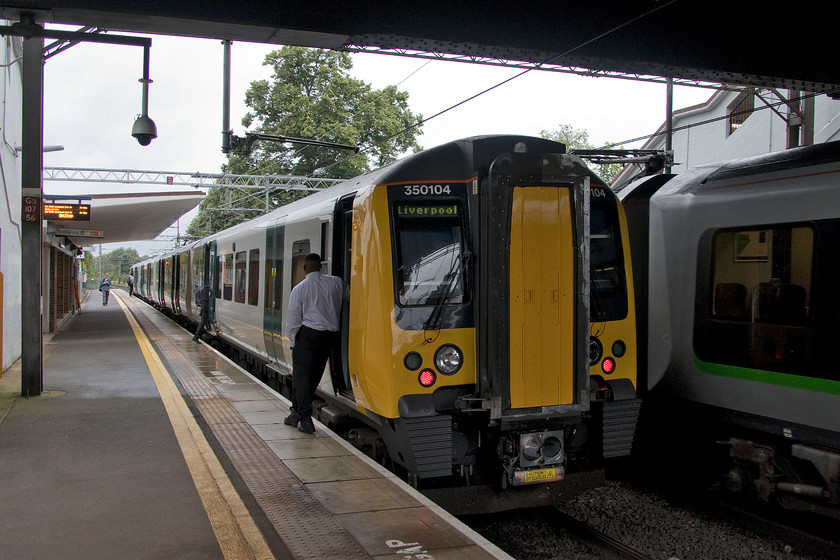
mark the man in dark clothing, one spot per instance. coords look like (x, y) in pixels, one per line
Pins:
(313, 322)
(130, 281)
(202, 298)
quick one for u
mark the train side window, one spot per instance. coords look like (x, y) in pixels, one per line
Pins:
(239, 278)
(762, 275)
(269, 283)
(253, 276)
(228, 280)
(299, 251)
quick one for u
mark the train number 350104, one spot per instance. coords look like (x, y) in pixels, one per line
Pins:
(420, 190)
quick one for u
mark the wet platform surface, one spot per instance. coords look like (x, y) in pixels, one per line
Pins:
(147, 445)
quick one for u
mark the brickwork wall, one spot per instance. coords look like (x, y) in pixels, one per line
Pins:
(61, 287)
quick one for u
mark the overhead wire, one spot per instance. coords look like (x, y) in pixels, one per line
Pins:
(507, 80)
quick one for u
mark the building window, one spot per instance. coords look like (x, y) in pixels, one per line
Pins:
(740, 110)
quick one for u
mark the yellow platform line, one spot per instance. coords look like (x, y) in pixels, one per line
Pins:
(236, 532)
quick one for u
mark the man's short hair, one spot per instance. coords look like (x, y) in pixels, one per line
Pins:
(313, 258)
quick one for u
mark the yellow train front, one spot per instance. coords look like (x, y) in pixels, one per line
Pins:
(490, 337)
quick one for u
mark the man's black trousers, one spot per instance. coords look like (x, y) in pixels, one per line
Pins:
(309, 358)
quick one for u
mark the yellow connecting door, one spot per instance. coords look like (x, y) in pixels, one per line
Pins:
(542, 297)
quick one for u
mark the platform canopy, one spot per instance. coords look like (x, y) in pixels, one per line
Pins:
(122, 217)
(766, 44)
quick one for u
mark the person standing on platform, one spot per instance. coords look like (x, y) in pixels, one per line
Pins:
(105, 288)
(314, 320)
(202, 298)
(130, 281)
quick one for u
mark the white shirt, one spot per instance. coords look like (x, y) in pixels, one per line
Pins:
(316, 303)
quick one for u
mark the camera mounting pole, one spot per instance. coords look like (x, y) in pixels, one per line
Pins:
(32, 164)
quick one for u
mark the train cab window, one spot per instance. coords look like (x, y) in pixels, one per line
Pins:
(430, 246)
(299, 251)
(253, 276)
(239, 278)
(228, 278)
(608, 293)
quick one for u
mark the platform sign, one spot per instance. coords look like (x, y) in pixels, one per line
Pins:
(61, 211)
(80, 232)
(31, 210)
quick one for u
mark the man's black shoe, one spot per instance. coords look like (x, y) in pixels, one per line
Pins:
(306, 426)
(292, 419)
(196, 341)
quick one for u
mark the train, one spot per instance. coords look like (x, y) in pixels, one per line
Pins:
(489, 340)
(736, 274)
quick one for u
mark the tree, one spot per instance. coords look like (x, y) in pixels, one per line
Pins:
(115, 263)
(575, 138)
(311, 95)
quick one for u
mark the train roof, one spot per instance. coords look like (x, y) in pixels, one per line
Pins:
(706, 177)
(457, 160)
(449, 160)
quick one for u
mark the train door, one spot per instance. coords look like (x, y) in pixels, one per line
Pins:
(213, 274)
(273, 311)
(161, 290)
(342, 230)
(533, 287)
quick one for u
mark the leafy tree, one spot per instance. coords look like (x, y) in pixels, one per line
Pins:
(115, 263)
(311, 95)
(575, 138)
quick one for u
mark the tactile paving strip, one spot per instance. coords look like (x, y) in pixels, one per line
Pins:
(308, 530)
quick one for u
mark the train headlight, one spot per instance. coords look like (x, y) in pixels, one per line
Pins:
(448, 359)
(608, 366)
(619, 348)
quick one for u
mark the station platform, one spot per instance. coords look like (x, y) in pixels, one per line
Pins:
(144, 444)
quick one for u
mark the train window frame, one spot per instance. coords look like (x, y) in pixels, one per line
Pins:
(227, 280)
(755, 250)
(777, 329)
(613, 307)
(464, 295)
(240, 278)
(300, 248)
(253, 277)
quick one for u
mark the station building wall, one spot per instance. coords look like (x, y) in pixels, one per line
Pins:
(703, 133)
(11, 50)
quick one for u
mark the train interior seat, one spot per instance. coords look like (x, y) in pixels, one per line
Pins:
(730, 300)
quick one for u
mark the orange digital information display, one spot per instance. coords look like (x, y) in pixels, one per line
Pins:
(58, 211)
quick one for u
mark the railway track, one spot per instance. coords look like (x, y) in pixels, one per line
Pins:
(600, 542)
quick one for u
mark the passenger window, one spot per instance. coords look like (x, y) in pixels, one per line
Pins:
(762, 275)
(753, 304)
(228, 280)
(299, 251)
(239, 278)
(253, 276)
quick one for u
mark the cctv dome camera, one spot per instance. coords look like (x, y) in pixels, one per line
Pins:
(144, 130)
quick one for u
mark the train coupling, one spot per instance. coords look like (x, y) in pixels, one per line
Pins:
(535, 458)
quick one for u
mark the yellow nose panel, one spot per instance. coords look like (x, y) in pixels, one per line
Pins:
(542, 298)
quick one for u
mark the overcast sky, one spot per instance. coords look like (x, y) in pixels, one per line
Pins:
(92, 96)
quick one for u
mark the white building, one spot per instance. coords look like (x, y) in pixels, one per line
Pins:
(11, 51)
(736, 124)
